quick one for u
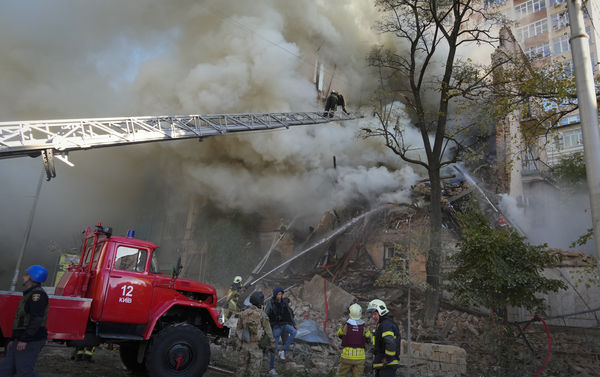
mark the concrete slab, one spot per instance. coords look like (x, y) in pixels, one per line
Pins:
(338, 300)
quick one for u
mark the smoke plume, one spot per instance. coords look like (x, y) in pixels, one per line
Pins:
(68, 59)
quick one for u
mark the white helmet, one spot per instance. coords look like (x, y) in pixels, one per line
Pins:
(237, 279)
(379, 306)
(355, 311)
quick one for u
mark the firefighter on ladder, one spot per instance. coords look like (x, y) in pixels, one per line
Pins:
(333, 100)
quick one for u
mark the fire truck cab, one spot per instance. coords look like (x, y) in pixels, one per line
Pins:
(116, 294)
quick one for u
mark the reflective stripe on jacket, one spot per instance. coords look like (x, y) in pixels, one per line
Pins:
(386, 342)
(354, 337)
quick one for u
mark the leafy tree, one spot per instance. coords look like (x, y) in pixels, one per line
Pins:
(570, 170)
(497, 267)
(454, 103)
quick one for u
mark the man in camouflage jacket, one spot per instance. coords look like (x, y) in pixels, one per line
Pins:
(256, 333)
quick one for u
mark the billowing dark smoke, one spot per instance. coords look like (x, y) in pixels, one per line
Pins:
(149, 57)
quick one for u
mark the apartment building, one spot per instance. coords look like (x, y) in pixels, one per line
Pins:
(541, 27)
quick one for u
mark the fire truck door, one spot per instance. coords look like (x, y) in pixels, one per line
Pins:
(129, 292)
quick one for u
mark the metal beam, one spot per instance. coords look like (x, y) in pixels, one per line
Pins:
(30, 138)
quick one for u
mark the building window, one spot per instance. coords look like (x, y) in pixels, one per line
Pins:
(391, 251)
(570, 139)
(561, 44)
(493, 3)
(529, 7)
(570, 120)
(388, 254)
(539, 51)
(560, 20)
(532, 30)
(556, 2)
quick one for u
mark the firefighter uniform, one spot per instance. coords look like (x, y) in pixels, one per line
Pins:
(354, 336)
(333, 100)
(29, 332)
(386, 343)
(233, 298)
(256, 334)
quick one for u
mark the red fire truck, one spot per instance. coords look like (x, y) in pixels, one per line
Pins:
(115, 294)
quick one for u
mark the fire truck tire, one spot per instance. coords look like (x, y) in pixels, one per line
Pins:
(180, 350)
(128, 353)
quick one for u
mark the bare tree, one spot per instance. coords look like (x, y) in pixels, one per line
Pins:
(431, 81)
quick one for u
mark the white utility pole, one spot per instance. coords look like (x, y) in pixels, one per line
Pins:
(588, 110)
(13, 283)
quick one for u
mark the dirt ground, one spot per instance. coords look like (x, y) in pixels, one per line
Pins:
(55, 361)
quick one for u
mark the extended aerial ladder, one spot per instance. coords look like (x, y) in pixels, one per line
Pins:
(56, 138)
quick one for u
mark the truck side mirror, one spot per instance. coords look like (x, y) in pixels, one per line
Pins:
(177, 268)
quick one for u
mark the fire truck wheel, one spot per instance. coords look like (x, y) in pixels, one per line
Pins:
(128, 353)
(180, 350)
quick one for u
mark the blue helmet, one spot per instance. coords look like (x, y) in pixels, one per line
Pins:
(37, 273)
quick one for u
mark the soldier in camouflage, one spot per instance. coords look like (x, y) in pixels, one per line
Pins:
(255, 329)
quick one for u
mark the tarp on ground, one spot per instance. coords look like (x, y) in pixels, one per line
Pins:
(311, 332)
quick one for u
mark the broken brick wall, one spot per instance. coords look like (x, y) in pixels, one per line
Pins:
(406, 235)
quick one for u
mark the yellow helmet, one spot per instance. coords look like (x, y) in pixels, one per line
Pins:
(355, 311)
(379, 306)
(237, 279)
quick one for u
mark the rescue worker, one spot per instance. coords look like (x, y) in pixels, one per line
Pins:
(282, 321)
(354, 337)
(333, 100)
(29, 332)
(233, 298)
(386, 340)
(256, 336)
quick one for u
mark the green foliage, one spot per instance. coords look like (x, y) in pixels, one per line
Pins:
(586, 276)
(497, 267)
(570, 170)
(584, 238)
(395, 274)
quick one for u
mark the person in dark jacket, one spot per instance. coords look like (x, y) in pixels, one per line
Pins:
(281, 317)
(29, 332)
(386, 340)
(334, 100)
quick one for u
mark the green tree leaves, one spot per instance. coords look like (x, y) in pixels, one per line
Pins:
(496, 268)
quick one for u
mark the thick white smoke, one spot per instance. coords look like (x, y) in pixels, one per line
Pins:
(68, 59)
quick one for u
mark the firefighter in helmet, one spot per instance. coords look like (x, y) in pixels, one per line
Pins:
(386, 340)
(334, 100)
(354, 337)
(233, 297)
(29, 331)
